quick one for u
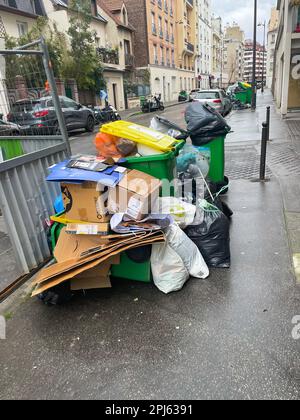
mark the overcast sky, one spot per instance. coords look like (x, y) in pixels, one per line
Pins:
(242, 11)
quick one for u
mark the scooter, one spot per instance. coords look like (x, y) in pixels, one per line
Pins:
(106, 115)
(153, 105)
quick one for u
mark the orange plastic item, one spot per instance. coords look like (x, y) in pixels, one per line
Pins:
(106, 145)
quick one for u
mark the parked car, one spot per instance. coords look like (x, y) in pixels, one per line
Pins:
(193, 94)
(216, 98)
(38, 116)
(9, 129)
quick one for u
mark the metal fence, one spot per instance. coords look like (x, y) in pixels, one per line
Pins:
(30, 144)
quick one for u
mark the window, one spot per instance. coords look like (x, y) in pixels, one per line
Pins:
(124, 16)
(162, 56)
(94, 8)
(22, 28)
(32, 2)
(155, 54)
(69, 103)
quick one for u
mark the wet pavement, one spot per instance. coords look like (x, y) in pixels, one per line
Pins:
(228, 337)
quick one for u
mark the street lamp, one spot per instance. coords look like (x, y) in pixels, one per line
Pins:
(264, 50)
(253, 104)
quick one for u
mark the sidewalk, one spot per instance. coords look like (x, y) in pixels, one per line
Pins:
(228, 337)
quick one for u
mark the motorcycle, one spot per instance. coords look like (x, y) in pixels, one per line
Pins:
(105, 115)
(153, 105)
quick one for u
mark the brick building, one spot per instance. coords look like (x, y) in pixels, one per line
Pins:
(165, 43)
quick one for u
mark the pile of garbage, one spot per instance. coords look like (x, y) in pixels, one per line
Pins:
(107, 208)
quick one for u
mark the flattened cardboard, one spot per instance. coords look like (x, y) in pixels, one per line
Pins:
(136, 195)
(69, 246)
(44, 283)
(66, 266)
(91, 283)
(85, 202)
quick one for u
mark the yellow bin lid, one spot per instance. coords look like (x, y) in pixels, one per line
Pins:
(140, 134)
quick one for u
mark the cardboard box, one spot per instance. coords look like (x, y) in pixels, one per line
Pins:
(86, 202)
(136, 195)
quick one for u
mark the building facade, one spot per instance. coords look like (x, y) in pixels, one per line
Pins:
(16, 19)
(217, 52)
(18, 16)
(234, 44)
(204, 59)
(165, 44)
(287, 57)
(261, 62)
(271, 42)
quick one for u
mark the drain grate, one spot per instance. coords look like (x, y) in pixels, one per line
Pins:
(243, 164)
(283, 160)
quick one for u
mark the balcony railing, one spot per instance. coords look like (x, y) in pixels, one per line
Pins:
(109, 56)
(129, 60)
(190, 47)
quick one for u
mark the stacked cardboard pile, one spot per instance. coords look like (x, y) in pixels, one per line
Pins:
(87, 247)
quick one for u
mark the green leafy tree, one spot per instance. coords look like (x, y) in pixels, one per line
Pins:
(56, 42)
(83, 63)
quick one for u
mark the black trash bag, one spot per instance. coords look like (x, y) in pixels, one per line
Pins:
(218, 202)
(140, 255)
(58, 295)
(212, 238)
(204, 123)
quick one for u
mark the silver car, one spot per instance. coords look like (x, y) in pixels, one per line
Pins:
(216, 98)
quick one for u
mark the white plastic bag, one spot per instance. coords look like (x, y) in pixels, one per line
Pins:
(169, 272)
(175, 261)
(188, 252)
(182, 212)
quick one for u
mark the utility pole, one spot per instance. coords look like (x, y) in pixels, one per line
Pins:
(253, 105)
(264, 51)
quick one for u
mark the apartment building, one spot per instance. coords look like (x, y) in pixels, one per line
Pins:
(287, 57)
(261, 62)
(217, 52)
(271, 42)
(234, 44)
(204, 59)
(165, 43)
(114, 41)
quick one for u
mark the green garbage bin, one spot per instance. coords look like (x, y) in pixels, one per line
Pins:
(11, 148)
(242, 96)
(215, 150)
(249, 96)
(162, 167)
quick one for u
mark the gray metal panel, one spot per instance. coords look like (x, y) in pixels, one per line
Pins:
(26, 200)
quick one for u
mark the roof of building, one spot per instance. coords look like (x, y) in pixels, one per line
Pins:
(114, 5)
(24, 7)
(107, 5)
